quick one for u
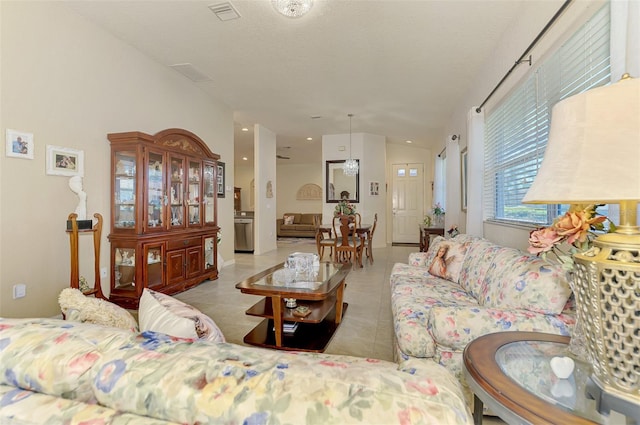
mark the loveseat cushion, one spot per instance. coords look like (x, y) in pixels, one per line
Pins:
(225, 383)
(64, 358)
(456, 326)
(20, 407)
(411, 302)
(475, 266)
(307, 218)
(517, 280)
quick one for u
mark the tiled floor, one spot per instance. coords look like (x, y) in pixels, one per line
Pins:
(366, 329)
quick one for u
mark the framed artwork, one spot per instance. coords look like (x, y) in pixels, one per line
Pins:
(374, 188)
(463, 179)
(220, 182)
(64, 161)
(19, 144)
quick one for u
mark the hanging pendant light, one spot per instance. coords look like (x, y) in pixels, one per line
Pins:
(350, 167)
(292, 8)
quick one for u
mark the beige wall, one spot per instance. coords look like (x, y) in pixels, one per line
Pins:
(69, 83)
(290, 179)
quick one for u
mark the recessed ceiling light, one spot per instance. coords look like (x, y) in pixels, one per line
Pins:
(245, 129)
(244, 158)
(409, 141)
(309, 138)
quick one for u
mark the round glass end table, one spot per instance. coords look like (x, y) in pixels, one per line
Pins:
(510, 373)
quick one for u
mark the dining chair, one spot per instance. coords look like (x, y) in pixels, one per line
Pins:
(349, 245)
(368, 243)
(358, 219)
(324, 238)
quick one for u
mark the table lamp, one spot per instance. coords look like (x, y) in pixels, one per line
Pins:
(593, 157)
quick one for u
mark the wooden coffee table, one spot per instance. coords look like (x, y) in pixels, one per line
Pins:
(323, 297)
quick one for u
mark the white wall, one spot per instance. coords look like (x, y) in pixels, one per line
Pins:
(290, 179)
(265, 175)
(514, 42)
(70, 83)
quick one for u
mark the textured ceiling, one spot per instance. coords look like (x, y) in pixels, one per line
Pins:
(399, 66)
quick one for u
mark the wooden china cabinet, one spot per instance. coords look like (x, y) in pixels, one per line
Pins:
(164, 223)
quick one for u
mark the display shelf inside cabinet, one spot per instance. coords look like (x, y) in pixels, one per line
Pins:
(164, 213)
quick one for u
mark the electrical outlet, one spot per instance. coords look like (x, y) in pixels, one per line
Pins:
(19, 291)
(103, 273)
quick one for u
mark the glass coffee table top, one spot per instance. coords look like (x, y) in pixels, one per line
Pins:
(528, 364)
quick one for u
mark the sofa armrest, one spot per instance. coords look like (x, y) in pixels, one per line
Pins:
(455, 326)
(279, 223)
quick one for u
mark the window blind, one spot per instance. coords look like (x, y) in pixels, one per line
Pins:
(517, 129)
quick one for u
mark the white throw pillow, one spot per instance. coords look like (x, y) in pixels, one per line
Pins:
(161, 313)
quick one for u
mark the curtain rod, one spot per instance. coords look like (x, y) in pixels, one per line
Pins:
(531, 46)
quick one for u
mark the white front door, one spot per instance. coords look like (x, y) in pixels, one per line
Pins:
(408, 201)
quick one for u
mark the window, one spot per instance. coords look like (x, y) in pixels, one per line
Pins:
(517, 129)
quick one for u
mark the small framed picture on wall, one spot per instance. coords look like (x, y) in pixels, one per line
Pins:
(374, 188)
(220, 182)
(64, 161)
(19, 144)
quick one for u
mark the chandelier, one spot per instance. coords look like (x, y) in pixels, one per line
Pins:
(350, 167)
(292, 8)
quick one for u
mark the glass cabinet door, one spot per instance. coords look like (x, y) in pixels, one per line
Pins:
(194, 196)
(154, 270)
(176, 195)
(125, 269)
(156, 193)
(124, 211)
(209, 253)
(209, 193)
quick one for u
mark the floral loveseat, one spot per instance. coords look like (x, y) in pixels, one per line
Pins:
(486, 288)
(55, 371)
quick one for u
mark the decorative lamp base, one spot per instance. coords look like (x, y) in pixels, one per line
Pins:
(607, 287)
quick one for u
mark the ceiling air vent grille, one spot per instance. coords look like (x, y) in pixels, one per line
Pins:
(224, 11)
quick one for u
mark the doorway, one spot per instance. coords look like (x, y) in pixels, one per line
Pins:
(407, 199)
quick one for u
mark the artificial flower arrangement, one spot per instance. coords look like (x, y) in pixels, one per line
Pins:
(438, 210)
(576, 228)
(345, 207)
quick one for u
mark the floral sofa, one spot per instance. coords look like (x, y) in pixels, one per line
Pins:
(440, 306)
(55, 371)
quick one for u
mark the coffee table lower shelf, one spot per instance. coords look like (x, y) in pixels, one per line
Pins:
(313, 337)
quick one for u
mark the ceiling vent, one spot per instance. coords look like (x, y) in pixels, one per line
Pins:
(191, 72)
(225, 11)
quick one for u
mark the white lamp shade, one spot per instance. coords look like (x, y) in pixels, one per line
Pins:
(593, 152)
